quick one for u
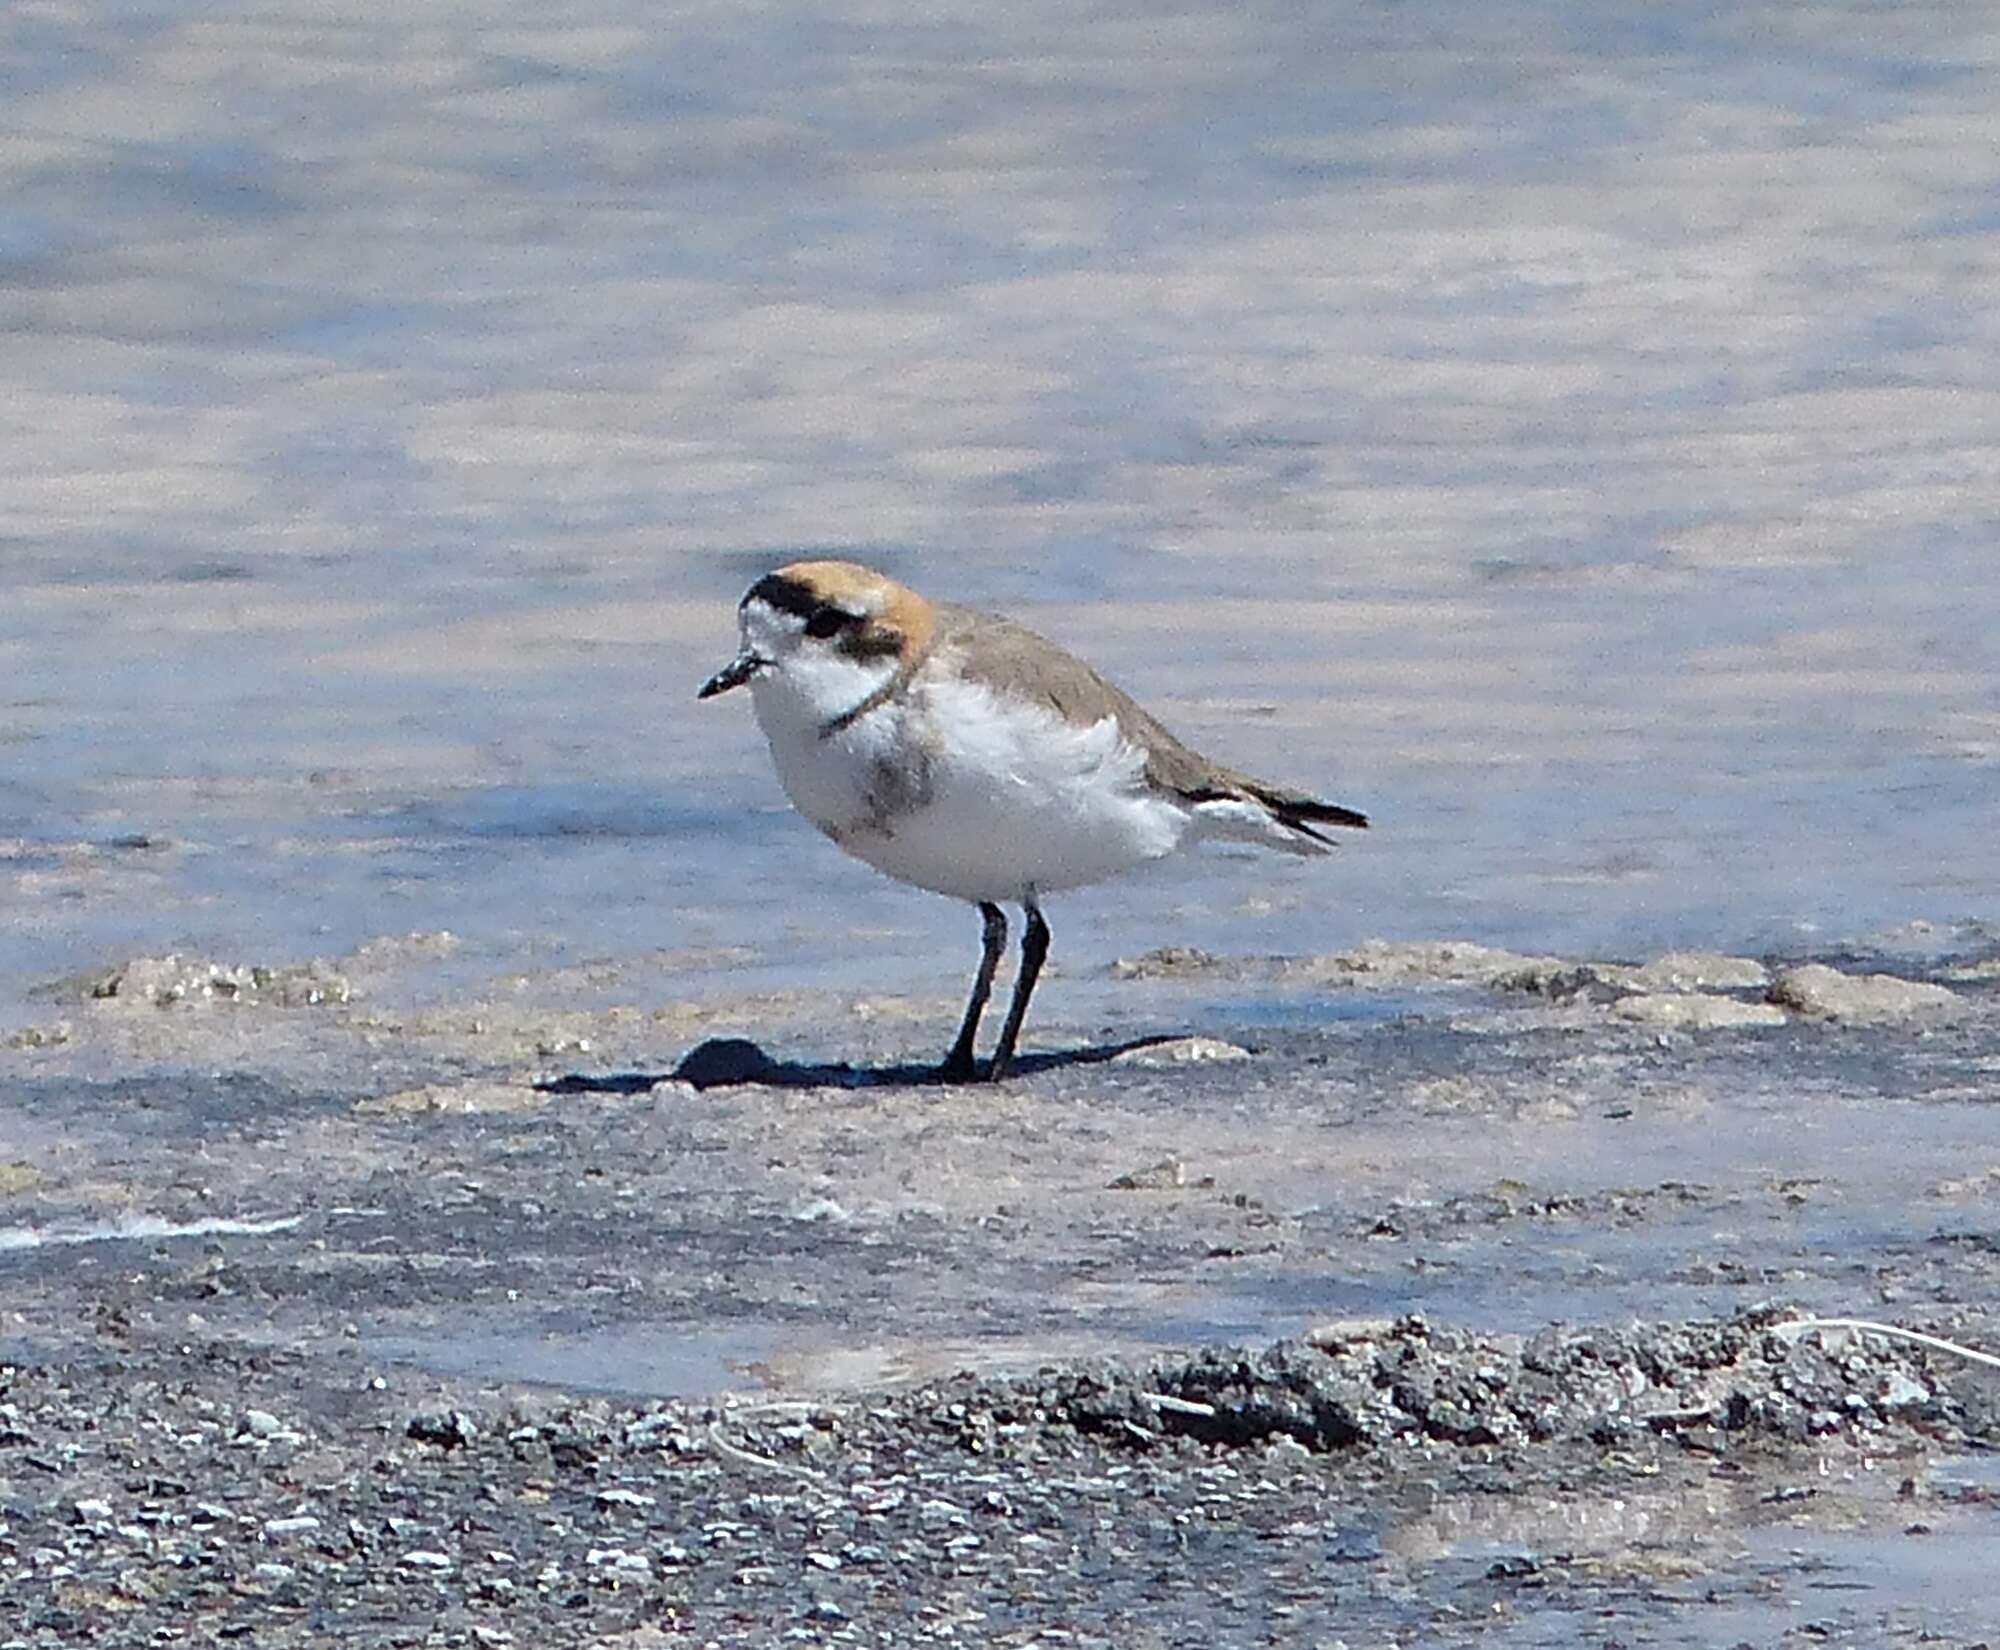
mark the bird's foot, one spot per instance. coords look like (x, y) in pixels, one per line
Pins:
(958, 1067)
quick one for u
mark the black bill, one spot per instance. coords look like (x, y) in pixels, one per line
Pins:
(734, 674)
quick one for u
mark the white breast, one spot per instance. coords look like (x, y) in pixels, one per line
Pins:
(957, 790)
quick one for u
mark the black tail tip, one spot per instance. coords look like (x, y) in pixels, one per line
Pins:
(1324, 813)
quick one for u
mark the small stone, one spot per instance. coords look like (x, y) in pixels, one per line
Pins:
(1972, 973)
(422, 1558)
(1823, 993)
(1696, 1011)
(259, 1423)
(620, 1497)
(1690, 971)
(1166, 962)
(1899, 1391)
(1181, 1051)
(455, 1099)
(722, 1061)
(298, 1524)
(1169, 1174)
(163, 981)
(1455, 962)
(653, 1429)
(823, 1561)
(451, 1430)
(302, 985)
(389, 950)
(92, 1512)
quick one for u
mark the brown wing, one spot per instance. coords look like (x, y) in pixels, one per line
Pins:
(1011, 659)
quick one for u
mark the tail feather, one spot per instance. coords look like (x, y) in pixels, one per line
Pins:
(1302, 813)
(1254, 812)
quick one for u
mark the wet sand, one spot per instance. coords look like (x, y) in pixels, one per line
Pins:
(613, 1251)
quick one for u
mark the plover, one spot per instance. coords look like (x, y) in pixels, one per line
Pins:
(959, 751)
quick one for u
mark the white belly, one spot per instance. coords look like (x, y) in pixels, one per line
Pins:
(956, 791)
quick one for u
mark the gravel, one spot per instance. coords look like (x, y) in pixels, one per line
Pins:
(197, 1495)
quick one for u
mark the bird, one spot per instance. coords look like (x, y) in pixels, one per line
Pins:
(960, 752)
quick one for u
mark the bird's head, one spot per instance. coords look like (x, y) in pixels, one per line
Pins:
(830, 631)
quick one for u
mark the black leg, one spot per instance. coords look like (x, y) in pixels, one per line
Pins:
(958, 1066)
(1034, 947)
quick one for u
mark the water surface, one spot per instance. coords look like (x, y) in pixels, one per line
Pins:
(1566, 432)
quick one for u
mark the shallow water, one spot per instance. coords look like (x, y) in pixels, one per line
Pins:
(1566, 432)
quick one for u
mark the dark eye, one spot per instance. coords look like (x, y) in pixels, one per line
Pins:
(827, 620)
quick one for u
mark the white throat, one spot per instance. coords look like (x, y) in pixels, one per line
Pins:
(814, 688)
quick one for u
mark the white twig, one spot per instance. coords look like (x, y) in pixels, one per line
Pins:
(1803, 1326)
(750, 1458)
(1176, 1406)
(786, 1406)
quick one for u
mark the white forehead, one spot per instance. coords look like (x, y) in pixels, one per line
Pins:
(761, 622)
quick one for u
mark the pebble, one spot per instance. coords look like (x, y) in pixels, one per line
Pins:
(1690, 971)
(1048, 1486)
(453, 1429)
(1441, 961)
(1169, 1174)
(455, 1099)
(1900, 1392)
(162, 981)
(1181, 1051)
(1166, 962)
(1823, 993)
(721, 1061)
(1696, 1011)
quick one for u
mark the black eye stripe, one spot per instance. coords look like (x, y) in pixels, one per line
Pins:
(823, 618)
(827, 620)
(786, 595)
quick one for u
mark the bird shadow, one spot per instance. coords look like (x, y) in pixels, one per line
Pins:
(726, 1062)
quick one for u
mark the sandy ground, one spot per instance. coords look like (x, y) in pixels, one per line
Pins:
(272, 1190)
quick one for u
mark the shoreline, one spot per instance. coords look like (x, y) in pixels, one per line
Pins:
(320, 1295)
